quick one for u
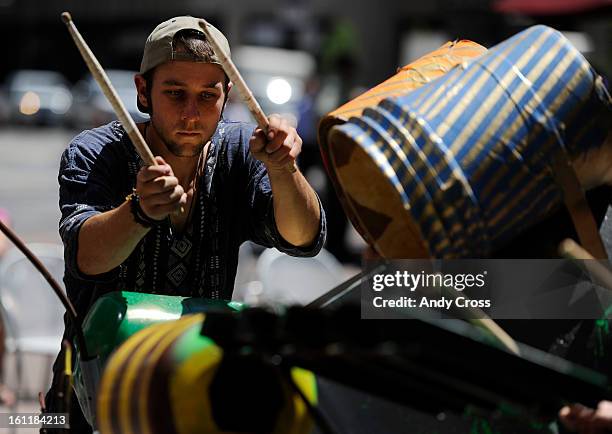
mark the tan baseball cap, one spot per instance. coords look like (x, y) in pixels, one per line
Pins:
(158, 47)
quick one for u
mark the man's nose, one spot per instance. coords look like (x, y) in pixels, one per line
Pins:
(191, 111)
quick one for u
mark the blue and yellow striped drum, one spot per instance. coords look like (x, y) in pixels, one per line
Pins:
(463, 164)
(408, 78)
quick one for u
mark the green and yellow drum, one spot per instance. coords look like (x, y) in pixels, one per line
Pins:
(162, 375)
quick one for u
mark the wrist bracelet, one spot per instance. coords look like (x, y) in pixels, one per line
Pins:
(139, 215)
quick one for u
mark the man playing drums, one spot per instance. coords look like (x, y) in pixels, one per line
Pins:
(176, 228)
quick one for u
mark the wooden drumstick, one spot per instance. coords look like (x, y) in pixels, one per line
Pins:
(499, 333)
(572, 250)
(109, 91)
(480, 319)
(235, 77)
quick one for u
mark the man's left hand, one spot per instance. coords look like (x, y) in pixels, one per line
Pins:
(585, 420)
(280, 148)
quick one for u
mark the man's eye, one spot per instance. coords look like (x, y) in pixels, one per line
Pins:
(174, 93)
(208, 95)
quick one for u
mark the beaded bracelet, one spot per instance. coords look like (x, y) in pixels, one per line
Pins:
(139, 215)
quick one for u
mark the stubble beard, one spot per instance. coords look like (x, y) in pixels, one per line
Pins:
(176, 149)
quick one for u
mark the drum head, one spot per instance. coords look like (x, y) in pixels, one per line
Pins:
(374, 202)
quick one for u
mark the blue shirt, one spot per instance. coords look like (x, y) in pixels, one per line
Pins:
(233, 204)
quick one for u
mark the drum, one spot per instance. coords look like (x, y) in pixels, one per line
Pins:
(407, 79)
(170, 378)
(159, 371)
(466, 162)
(117, 316)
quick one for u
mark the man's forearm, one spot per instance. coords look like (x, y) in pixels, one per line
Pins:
(296, 207)
(108, 239)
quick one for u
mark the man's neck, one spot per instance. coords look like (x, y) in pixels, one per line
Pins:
(183, 167)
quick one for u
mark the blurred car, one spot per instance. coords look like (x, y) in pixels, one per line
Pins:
(279, 83)
(91, 108)
(38, 96)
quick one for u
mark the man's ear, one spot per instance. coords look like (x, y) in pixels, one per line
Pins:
(141, 89)
(227, 91)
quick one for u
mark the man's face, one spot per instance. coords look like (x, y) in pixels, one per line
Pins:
(187, 100)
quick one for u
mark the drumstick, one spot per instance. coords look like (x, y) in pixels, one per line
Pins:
(480, 319)
(109, 91)
(572, 250)
(235, 77)
(501, 335)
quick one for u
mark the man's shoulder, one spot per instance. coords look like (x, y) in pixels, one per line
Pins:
(233, 145)
(235, 133)
(95, 140)
(105, 144)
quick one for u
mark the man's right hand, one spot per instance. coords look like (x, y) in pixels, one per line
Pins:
(159, 190)
(107, 239)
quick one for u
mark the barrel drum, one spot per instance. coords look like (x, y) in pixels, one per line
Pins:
(408, 78)
(464, 163)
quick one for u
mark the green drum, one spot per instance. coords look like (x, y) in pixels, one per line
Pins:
(116, 316)
(156, 370)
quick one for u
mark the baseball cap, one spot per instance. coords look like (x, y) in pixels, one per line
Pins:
(158, 48)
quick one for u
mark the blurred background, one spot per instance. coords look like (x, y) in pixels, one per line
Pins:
(302, 58)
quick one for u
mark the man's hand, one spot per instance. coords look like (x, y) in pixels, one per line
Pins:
(296, 206)
(159, 190)
(585, 420)
(279, 148)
